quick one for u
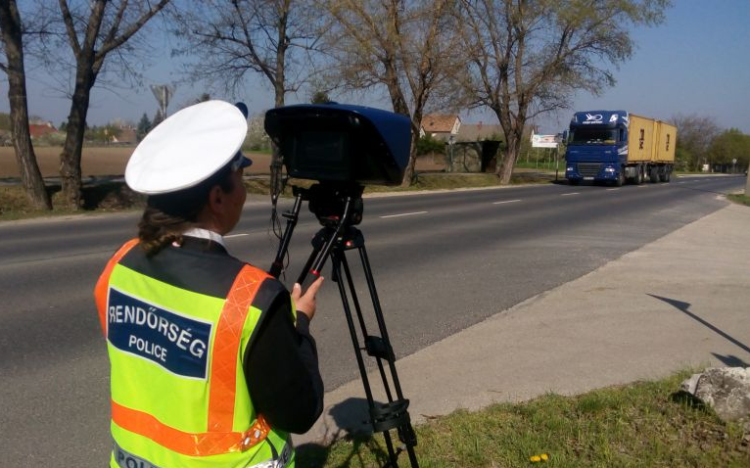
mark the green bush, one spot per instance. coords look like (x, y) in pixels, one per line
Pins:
(427, 145)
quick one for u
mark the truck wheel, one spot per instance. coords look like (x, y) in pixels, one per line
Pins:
(573, 181)
(639, 176)
(620, 181)
(653, 175)
(667, 175)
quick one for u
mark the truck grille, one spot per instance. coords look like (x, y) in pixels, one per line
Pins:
(589, 169)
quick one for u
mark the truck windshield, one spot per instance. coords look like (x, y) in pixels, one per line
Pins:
(593, 136)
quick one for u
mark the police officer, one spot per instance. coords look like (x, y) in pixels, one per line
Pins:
(211, 362)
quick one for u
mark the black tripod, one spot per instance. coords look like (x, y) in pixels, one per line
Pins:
(339, 208)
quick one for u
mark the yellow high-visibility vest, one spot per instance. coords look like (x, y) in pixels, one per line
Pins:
(179, 395)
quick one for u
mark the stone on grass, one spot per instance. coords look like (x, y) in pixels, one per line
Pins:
(725, 389)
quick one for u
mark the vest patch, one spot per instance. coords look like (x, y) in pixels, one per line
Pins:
(177, 343)
(128, 460)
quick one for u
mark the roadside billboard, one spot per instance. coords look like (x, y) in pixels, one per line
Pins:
(544, 141)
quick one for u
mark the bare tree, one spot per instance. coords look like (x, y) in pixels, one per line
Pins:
(226, 40)
(94, 30)
(12, 43)
(528, 57)
(402, 46)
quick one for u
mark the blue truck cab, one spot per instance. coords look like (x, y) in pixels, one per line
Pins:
(597, 147)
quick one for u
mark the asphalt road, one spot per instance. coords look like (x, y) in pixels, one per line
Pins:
(442, 262)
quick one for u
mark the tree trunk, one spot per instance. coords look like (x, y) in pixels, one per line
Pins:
(409, 171)
(513, 127)
(279, 88)
(31, 177)
(277, 160)
(400, 107)
(70, 158)
(416, 122)
(505, 170)
(505, 166)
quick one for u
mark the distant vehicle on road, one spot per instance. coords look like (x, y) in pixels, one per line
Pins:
(617, 147)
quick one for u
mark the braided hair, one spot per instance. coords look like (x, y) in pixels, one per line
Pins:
(167, 216)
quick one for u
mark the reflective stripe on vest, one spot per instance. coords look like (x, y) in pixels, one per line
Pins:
(197, 445)
(124, 459)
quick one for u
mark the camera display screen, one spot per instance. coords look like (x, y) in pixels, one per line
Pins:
(318, 152)
(321, 149)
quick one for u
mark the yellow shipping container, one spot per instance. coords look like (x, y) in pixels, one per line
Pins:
(650, 140)
(640, 138)
(665, 143)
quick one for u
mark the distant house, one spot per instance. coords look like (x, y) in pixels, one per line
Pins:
(126, 136)
(38, 130)
(440, 126)
(480, 132)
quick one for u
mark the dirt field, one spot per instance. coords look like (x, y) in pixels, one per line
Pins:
(98, 161)
(111, 161)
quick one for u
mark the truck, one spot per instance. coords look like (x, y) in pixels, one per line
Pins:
(615, 147)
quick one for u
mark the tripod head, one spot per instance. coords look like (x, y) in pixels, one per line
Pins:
(338, 207)
(334, 203)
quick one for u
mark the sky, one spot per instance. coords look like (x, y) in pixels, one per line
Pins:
(696, 62)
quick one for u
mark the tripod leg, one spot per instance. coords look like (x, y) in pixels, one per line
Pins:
(368, 345)
(321, 245)
(405, 430)
(338, 257)
(308, 264)
(379, 316)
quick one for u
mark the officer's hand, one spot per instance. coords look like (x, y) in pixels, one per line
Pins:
(305, 303)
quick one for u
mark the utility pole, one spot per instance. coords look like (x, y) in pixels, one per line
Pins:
(163, 93)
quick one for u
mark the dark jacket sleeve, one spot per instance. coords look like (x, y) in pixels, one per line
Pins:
(281, 368)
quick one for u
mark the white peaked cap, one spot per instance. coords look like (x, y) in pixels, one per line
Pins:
(187, 148)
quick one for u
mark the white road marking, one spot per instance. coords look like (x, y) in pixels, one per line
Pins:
(610, 189)
(235, 235)
(506, 201)
(403, 214)
(573, 193)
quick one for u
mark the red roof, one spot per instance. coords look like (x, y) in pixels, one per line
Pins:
(40, 130)
(437, 123)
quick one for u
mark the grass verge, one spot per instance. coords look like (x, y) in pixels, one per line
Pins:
(106, 197)
(742, 199)
(646, 424)
(115, 196)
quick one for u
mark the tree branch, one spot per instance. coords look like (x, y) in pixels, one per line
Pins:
(70, 28)
(134, 28)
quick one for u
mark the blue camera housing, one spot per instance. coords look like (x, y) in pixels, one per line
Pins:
(341, 143)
